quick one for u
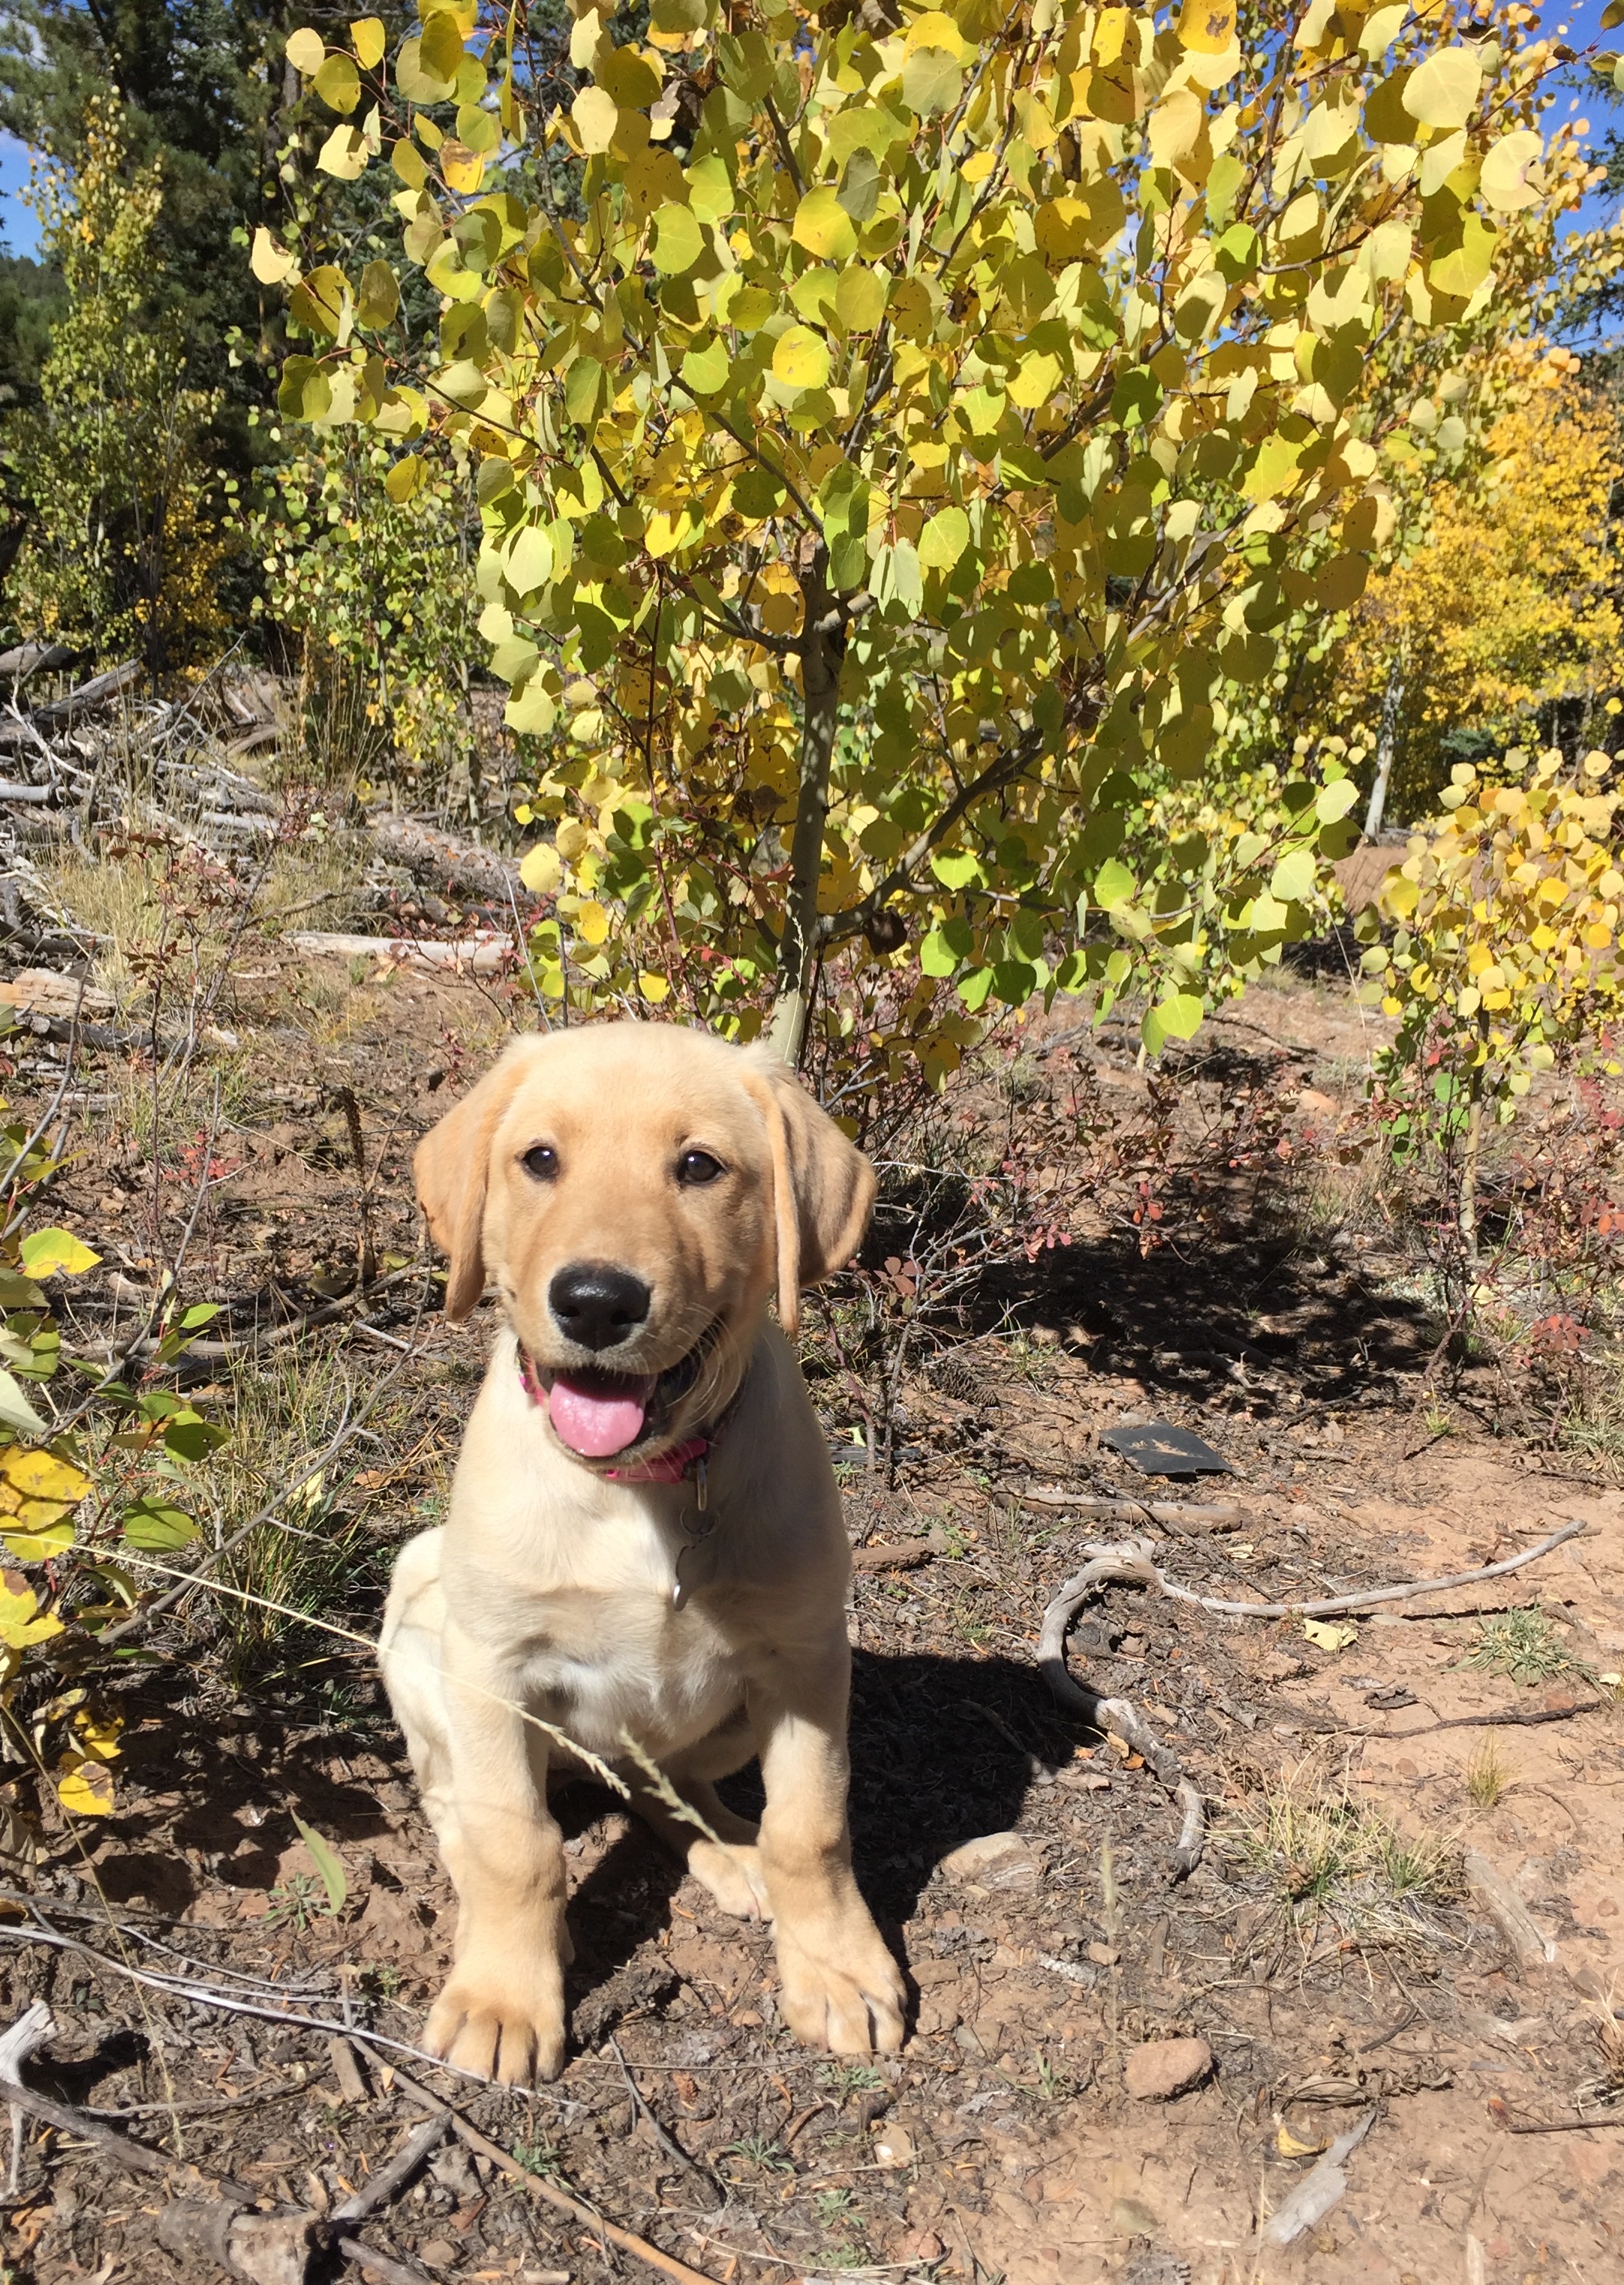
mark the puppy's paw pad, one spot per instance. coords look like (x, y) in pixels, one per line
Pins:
(734, 1877)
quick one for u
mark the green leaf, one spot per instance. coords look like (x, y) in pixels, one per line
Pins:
(705, 369)
(1292, 879)
(1180, 1017)
(57, 1254)
(157, 1527)
(1334, 801)
(957, 868)
(440, 48)
(679, 241)
(1113, 884)
(931, 81)
(15, 1410)
(194, 1439)
(339, 84)
(326, 1864)
(943, 539)
(379, 299)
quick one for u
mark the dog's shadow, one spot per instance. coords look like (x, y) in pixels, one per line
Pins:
(942, 1749)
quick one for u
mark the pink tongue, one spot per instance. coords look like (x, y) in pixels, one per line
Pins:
(596, 1421)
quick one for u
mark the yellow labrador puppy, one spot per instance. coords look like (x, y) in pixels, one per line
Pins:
(645, 1538)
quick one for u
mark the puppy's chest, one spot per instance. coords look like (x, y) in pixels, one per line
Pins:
(600, 1668)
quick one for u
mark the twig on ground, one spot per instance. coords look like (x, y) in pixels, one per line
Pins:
(667, 2142)
(1212, 1513)
(1501, 2118)
(380, 2265)
(394, 2176)
(538, 2187)
(1486, 1721)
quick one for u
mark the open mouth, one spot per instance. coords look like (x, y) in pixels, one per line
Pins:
(599, 1415)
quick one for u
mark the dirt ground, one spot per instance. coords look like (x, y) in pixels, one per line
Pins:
(199, 1981)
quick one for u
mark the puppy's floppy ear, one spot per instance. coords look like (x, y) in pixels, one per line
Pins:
(822, 1186)
(451, 1166)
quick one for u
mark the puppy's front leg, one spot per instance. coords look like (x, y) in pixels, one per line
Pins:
(502, 2011)
(842, 1988)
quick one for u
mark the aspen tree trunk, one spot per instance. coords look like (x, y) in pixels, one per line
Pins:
(798, 950)
(1386, 739)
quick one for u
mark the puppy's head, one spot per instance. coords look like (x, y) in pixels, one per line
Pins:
(636, 1192)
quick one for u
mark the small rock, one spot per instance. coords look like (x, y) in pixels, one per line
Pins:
(1133, 2217)
(1001, 1863)
(920, 2245)
(893, 2145)
(1105, 1955)
(1164, 2067)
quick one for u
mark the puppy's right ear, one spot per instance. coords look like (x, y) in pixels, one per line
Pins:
(451, 1166)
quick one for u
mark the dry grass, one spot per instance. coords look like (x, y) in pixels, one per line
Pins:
(1488, 1773)
(1327, 1856)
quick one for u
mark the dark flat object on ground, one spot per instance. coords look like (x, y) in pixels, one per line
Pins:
(1155, 1447)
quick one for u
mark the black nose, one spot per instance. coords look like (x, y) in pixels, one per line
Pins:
(597, 1305)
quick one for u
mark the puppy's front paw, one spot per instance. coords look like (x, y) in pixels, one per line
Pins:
(846, 1995)
(732, 1873)
(507, 2026)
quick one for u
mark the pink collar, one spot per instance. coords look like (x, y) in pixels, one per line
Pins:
(676, 1466)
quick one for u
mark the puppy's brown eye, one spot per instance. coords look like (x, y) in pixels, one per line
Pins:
(696, 1166)
(541, 1162)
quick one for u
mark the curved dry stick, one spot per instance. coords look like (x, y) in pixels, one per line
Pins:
(1132, 1562)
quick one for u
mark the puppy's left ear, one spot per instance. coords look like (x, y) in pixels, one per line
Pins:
(822, 1186)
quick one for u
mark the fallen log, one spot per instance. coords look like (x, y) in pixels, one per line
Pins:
(96, 692)
(479, 955)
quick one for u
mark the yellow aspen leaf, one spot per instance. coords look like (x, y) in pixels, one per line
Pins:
(271, 262)
(1036, 379)
(1441, 92)
(823, 226)
(591, 922)
(40, 1475)
(596, 115)
(306, 51)
(463, 169)
(369, 40)
(1330, 1634)
(1207, 26)
(801, 358)
(57, 1252)
(1504, 178)
(540, 870)
(936, 29)
(943, 539)
(343, 155)
(85, 1788)
(653, 987)
(98, 1735)
(1174, 127)
(22, 1623)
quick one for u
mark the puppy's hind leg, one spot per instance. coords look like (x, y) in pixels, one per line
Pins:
(727, 1866)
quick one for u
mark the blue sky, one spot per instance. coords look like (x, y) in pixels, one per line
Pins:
(17, 224)
(20, 232)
